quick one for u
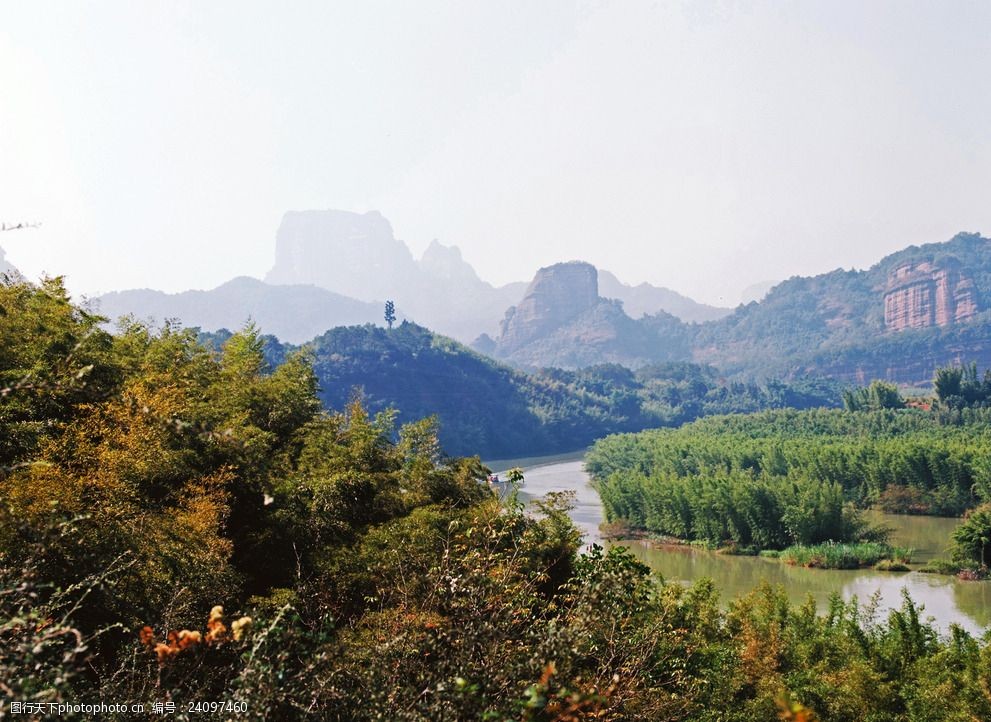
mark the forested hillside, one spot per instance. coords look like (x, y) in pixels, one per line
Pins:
(488, 408)
(913, 311)
(860, 325)
(186, 528)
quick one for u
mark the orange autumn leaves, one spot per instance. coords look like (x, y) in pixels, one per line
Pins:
(177, 642)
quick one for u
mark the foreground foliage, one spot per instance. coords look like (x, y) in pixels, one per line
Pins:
(183, 527)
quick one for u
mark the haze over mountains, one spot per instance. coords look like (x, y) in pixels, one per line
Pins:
(358, 255)
(293, 313)
(914, 310)
(359, 263)
(923, 307)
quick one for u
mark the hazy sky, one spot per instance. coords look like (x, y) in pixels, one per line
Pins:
(703, 146)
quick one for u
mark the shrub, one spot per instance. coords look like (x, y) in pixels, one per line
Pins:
(845, 556)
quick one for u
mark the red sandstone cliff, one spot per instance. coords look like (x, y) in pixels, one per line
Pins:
(919, 295)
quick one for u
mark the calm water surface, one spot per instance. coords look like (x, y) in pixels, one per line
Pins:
(946, 599)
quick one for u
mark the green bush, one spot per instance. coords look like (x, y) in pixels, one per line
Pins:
(845, 556)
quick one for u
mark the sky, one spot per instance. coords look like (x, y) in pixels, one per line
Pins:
(702, 146)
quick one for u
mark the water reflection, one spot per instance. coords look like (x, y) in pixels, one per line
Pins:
(560, 473)
(945, 599)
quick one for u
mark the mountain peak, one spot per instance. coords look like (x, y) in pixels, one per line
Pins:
(557, 295)
(446, 263)
(354, 254)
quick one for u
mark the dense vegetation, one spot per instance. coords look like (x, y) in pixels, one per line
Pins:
(834, 322)
(879, 395)
(958, 387)
(183, 526)
(487, 408)
(778, 478)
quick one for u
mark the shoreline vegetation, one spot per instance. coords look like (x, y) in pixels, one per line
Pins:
(879, 556)
(793, 485)
(829, 555)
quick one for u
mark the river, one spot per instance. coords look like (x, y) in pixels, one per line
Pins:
(946, 599)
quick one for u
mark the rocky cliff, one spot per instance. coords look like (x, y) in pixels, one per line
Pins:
(563, 322)
(557, 295)
(919, 295)
(353, 254)
(358, 255)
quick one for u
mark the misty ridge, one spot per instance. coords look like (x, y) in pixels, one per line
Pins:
(337, 268)
(910, 313)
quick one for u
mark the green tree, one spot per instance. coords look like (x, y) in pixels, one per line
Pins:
(390, 313)
(879, 395)
(947, 382)
(972, 539)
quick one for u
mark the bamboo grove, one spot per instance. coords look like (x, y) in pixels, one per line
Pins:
(786, 477)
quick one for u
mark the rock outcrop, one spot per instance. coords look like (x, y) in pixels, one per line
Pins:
(353, 254)
(919, 295)
(557, 295)
(358, 255)
(563, 322)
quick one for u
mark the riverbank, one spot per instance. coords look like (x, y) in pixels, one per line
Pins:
(945, 598)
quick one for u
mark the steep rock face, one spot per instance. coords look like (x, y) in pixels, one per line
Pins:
(446, 264)
(563, 322)
(357, 255)
(352, 254)
(919, 295)
(557, 295)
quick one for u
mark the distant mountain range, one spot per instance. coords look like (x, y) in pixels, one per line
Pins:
(357, 260)
(645, 299)
(296, 313)
(923, 307)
